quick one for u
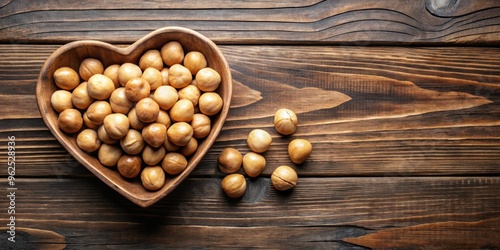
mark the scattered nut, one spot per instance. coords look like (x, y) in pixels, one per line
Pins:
(299, 150)
(234, 185)
(259, 140)
(230, 160)
(285, 121)
(284, 178)
(253, 164)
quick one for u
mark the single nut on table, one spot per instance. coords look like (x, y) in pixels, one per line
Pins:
(61, 100)
(299, 150)
(66, 78)
(284, 178)
(259, 140)
(70, 121)
(90, 67)
(285, 121)
(129, 166)
(109, 154)
(116, 125)
(234, 185)
(132, 143)
(153, 177)
(174, 163)
(100, 87)
(229, 160)
(88, 141)
(253, 164)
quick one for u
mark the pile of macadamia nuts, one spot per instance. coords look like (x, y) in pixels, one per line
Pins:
(284, 177)
(143, 119)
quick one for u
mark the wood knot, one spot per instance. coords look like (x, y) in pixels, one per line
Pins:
(441, 7)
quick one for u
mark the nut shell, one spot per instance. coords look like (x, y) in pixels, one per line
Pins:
(88, 141)
(147, 110)
(174, 163)
(253, 164)
(153, 178)
(285, 121)
(180, 133)
(229, 160)
(100, 87)
(132, 143)
(129, 166)
(210, 103)
(299, 150)
(109, 154)
(61, 100)
(207, 79)
(70, 121)
(90, 67)
(259, 140)
(154, 134)
(172, 53)
(284, 178)
(234, 185)
(66, 78)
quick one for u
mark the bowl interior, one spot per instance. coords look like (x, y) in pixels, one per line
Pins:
(72, 54)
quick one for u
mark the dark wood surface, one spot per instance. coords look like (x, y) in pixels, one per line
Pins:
(401, 100)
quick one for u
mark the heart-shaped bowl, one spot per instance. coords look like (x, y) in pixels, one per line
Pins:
(72, 54)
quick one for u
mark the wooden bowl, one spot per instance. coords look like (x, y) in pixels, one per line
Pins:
(73, 53)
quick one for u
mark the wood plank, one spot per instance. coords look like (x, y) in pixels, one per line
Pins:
(376, 111)
(318, 213)
(244, 22)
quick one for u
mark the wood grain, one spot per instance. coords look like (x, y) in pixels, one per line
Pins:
(319, 213)
(369, 111)
(243, 22)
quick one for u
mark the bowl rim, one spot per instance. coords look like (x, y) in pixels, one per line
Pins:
(64, 140)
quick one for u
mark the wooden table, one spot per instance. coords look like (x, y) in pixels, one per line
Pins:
(401, 100)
